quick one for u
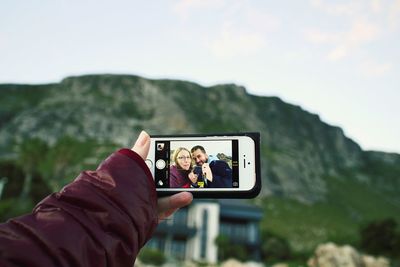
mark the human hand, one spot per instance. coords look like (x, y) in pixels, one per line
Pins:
(207, 171)
(166, 205)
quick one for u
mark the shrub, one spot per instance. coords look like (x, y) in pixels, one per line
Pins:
(275, 248)
(381, 238)
(227, 249)
(13, 207)
(152, 256)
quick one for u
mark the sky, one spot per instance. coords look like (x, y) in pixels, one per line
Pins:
(338, 59)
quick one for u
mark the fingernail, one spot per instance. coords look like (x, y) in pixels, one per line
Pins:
(142, 139)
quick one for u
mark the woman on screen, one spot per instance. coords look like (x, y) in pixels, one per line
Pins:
(181, 172)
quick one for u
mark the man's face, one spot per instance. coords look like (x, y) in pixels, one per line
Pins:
(199, 157)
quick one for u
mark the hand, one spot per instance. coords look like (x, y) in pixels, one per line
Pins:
(193, 177)
(166, 205)
(207, 171)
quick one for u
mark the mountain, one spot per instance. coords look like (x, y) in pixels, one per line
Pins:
(310, 169)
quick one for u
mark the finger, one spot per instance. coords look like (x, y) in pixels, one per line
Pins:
(174, 202)
(166, 214)
(142, 145)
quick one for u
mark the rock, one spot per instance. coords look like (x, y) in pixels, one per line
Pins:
(232, 263)
(236, 263)
(331, 255)
(370, 261)
(257, 264)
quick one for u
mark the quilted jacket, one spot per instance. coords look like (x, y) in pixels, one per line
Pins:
(102, 218)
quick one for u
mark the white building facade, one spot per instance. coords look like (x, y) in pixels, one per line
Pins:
(191, 232)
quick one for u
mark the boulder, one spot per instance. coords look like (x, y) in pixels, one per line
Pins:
(331, 255)
(236, 263)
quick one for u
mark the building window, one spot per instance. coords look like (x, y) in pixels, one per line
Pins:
(253, 234)
(203, 235)
(235, 231)
(178, 248)
(180, 217)
(156, 243)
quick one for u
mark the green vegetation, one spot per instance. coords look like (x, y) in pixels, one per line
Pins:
(68, 157)
(39, 169)
(275, 248)
(324, 187)
(30, 153)
(205, 108)
(14, 207)
(152, 256)
(227, 249)
(349, 204)
(17, 98)
(381, 238)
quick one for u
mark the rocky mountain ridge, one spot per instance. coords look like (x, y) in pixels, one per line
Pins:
(298, 150)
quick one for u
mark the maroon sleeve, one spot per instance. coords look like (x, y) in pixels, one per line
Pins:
(102, 218)
(173, 179)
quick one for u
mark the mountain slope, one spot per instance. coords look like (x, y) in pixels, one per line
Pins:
(306, 163)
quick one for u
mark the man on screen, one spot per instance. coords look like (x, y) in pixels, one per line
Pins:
(217, 172)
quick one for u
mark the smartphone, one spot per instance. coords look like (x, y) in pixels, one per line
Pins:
(208, 166)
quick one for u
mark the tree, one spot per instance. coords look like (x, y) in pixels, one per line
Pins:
(152, 256)
(65, 159)
(15, 177)
(381, 238)
(274, 248)
(30, 153)
(227, 249)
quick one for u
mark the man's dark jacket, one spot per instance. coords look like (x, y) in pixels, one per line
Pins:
(222, 174)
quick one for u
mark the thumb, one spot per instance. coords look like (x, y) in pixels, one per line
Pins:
(142, 145)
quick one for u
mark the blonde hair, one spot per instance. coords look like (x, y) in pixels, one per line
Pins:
(175, 156)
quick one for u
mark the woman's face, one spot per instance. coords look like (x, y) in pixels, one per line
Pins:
(184, 159)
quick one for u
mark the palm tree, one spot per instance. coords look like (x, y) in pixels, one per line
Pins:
(29, 155)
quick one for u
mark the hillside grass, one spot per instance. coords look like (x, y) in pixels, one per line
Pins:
(348, 206)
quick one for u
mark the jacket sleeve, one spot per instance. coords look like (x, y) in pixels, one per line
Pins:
(173, 178)
(222, 174)
(102, 218)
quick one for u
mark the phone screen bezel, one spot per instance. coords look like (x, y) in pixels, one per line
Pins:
(248, 153)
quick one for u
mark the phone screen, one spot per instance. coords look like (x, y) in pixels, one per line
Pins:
(196, 164)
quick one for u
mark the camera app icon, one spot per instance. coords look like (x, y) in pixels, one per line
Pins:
(160, 146)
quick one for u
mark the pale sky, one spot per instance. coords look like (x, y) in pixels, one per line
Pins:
(339, 59)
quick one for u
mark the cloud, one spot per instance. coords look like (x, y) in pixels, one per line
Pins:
(259, 20)
(363, 27)
(371, 68)
(233, 43)
(184, 8)
(394, 15)
(349, 8)
(376, 6)
(343, 43)
(238, 27)
(319, 37)
(338, 53)
(362, 31)
(243, 33)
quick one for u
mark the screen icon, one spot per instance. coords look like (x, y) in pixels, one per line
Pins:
(160, 146)
(160, 164)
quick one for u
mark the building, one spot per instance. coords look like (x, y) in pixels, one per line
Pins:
(191, 232)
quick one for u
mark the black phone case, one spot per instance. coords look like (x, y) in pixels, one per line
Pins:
(252, 193)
